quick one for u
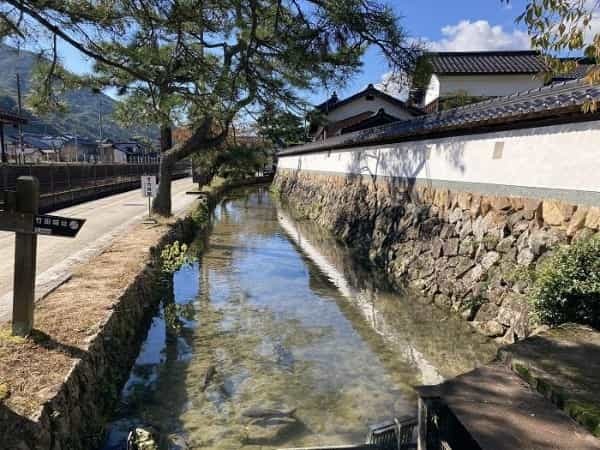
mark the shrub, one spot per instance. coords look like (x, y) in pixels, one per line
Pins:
(567, 285)
(174, 256)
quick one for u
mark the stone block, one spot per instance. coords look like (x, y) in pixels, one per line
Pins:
(475, 205)
(583, 234)
(491, 328)
(506, 244)
(451, 247)
(467, 247)
(466, 229)
(489, 259)
(478, 228)
(464, 265)
(475, 274)
(500, 204)
(577, 222)
(592, 219)
(542, 240)
(485, 206)
(531, 206)
(556, 213)
(525, 257)
(441, 198)
(521, 226)
(442, 301)
(464, 200)
(436, 248)
(455, 215)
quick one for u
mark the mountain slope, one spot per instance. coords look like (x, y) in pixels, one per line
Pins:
(84, 106)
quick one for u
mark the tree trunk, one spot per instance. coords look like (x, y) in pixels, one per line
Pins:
(201, 139)
(162, 202)
(166, 138)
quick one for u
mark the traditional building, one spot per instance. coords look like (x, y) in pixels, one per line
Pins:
(475, 76)
(367, 108)
(79, 149)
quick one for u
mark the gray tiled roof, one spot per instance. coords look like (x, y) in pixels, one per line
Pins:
(455, 63)
(560, 101)
(578, 72)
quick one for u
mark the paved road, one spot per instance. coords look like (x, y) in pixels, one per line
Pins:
(106, 219)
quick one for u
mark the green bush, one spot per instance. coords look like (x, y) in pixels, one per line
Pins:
(567, 285)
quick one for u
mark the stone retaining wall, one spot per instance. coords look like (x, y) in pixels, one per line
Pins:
(74, 416)
(462, 250)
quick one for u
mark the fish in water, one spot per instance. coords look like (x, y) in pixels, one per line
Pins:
(285, 357)
(208, 375)
(256, 413)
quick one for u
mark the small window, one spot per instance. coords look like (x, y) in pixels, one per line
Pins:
(370, 97)
(498, 150)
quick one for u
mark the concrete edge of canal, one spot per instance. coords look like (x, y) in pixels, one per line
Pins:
(67, 376)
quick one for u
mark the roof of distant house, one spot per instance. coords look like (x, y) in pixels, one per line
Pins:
(581, 69)
(488, 62)
(333, 102)
(556, 103)
(128, 147)
(80, 141)
(11, 117)
(381, 117)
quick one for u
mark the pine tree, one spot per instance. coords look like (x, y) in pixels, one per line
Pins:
(205, 62)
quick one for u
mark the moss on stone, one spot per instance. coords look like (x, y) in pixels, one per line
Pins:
(587, 414)
(523, 371)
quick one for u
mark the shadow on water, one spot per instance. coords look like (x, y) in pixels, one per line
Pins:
(275, 316)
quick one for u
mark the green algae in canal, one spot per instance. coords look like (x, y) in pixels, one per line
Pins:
(283, 318)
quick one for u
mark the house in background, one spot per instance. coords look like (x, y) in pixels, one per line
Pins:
(79, 149)
(36, 148)
(582, 66)
(367, 108)
(475, 76)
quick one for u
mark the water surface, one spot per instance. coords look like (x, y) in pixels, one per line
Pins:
(288, 320)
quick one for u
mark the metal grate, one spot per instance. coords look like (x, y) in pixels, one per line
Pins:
(398, 434)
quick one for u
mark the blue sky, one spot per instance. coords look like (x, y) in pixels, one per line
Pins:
(444, 24)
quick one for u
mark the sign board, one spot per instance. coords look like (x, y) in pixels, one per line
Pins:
(57, 226)
(149, 186)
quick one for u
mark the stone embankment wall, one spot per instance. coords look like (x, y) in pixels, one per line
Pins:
(73, 416)
(462, 250)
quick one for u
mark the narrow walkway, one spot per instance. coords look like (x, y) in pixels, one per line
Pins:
(107, 218)
(502, 412)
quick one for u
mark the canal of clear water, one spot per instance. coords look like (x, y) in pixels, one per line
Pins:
(275, 314)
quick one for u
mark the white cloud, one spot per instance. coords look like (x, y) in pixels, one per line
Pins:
(479, 35)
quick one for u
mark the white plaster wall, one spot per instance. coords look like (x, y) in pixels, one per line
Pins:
(555, 157)
(361, 105)
(433, 90)
(119, 156)
(487, 85)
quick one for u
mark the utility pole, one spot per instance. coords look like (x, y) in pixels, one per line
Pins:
(21, 115)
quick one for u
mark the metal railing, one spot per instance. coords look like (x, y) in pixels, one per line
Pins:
(58, 178)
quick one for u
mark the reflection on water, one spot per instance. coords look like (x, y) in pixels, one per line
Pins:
(276, 316)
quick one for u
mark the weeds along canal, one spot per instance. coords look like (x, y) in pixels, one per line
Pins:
(276, 336)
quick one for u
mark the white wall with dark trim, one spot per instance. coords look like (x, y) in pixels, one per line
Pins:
(560, 157)
(485, 85)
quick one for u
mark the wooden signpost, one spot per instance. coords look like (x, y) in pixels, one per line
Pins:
(19, 214)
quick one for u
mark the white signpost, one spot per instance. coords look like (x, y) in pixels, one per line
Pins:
(149, 190)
